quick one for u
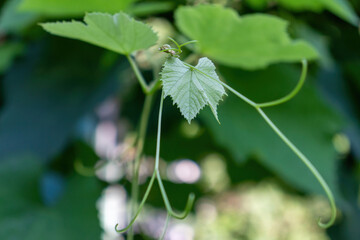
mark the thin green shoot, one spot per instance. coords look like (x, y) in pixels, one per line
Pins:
(302, 157)
(167, 220)
(292, 93)
(156, 174)
(189, 42)
(179, 47)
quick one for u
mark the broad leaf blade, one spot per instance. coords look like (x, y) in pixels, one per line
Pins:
(192, 88)
(251, 42)
(119, 33)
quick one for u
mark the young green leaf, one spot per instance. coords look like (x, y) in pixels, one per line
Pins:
(253, 41)
(119, 33)
(192, 88)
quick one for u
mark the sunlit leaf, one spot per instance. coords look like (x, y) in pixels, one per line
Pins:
(73, 7)
(119, 33)
(252, 41)
(191, 90)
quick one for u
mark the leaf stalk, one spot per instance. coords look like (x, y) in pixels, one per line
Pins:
(138, 75)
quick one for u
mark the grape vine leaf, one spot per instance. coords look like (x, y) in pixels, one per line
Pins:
(192, 88)
(73, 7)
(341, 8)
(253, 41)
(119, 32)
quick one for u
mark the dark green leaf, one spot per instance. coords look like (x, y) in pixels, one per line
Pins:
(25, 217)
(47, 93)
(340, 8)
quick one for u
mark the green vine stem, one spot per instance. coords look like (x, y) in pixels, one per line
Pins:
(173, 49)
(292, 93)
(139, 149)
(191, 197)
(165, 227)
(138, 75)
(189, 42)
(141, 205)
(177, 45)
(302, 157)
(189, 203)
(149, 91)
(156, 174)
(309, 165)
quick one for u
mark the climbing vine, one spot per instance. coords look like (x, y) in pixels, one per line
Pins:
(190, 87)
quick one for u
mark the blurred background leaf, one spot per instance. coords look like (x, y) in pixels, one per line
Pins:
(251, 42)
(341, 8)
(28, 217)
(47, 93)
(73, 8)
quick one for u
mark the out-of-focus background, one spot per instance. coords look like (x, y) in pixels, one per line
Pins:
(69, 113)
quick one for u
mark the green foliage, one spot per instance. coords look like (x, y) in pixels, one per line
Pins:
(53, 90)
(253, 41)
(27, 217)
(73, 7)
(50, 90)
(339, 7)
(190, 89)
(119, 33)
(8, 52)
